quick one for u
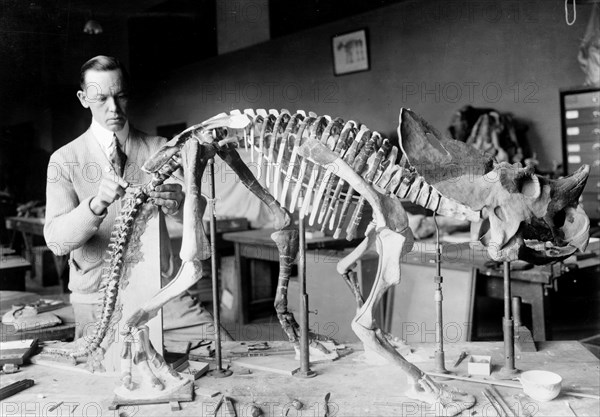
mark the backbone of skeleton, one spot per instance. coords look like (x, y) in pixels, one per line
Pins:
(140, 281)
(145, 260)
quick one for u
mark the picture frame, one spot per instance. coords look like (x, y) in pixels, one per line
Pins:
(350, 52)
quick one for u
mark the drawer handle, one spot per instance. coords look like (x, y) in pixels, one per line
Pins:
(596, 146)
(596, 113)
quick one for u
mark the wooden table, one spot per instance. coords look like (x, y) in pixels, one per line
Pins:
(356, 388)
(257, 245)
(30, 227)
(64, 331)
(12, 269)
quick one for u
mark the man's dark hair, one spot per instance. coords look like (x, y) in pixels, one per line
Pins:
(103, 63)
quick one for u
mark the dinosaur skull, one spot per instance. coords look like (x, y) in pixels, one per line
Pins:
(524, 216)
(529, 217)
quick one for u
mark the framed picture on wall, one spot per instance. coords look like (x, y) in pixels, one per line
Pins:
(350, 52)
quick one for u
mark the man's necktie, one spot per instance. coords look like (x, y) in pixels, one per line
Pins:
(117, 157)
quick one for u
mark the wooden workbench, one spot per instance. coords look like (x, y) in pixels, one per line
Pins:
(357, 389)
(30, 227)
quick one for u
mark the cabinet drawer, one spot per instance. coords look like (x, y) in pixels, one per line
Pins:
(591, 148)
(591, 99)
(583, 132)
(588, 115)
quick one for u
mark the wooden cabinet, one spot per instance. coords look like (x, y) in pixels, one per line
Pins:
(580, 121)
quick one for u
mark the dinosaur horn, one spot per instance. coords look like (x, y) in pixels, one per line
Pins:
(569, 189)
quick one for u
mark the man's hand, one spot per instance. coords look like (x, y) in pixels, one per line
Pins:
(110, 190)
(168, 196)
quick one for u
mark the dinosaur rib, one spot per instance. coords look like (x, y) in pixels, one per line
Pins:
(346, 138)
(281, 136)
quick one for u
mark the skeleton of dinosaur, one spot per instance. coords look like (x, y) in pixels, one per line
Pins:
(333, 163)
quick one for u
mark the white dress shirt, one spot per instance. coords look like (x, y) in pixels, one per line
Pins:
(105, 137)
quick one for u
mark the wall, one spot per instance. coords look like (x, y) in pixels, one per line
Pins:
(431, 56)
(241, 24)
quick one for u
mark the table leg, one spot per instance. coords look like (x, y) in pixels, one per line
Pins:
(539, 305)
(534, 294)
(530, 292)
(28, 241)
(239, 290)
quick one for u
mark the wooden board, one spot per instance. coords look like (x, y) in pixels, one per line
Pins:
(196, 369)
(282, 365)
(67, 366)
(17, 351)
(185, 393)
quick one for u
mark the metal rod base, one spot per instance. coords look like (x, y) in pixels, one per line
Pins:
(440, 366)
(506, 373)
(304, 374)
(220, 373)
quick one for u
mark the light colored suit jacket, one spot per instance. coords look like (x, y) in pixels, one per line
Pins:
(74, 174)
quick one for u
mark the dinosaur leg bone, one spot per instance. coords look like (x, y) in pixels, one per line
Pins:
(287, 244)
(345, 265)
(155, 359)
(391, 246)
(155, 374)
(194, 246)
(233, 159)
(126, 359)
(140, 357)
(189, 273)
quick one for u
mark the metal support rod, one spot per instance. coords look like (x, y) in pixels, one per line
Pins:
(516, 310)
(219, 372)
(304, 356)
(304, 370)
(508, 326)
(440, 366)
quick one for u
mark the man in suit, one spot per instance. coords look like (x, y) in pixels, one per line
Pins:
(85, 180)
